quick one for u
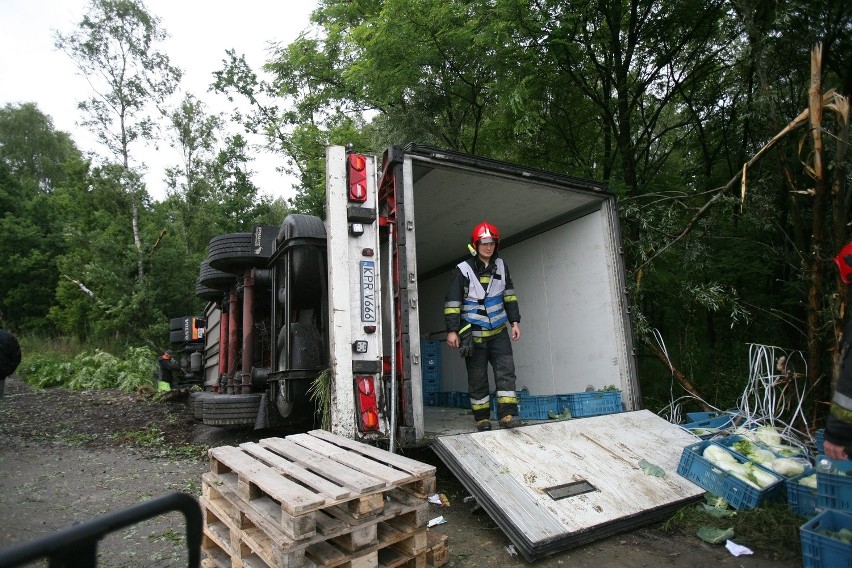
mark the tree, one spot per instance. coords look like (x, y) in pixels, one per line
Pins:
(32, 149)
(114, 47)
(35, 162)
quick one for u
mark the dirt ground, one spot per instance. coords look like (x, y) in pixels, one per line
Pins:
(66, 457)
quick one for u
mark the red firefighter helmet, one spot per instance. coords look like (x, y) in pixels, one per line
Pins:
(844, 263)
(485, 231)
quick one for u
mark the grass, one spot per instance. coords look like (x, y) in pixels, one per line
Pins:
(772, 527)
(152, 438)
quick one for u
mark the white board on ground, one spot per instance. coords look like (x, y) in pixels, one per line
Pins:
(555, 485)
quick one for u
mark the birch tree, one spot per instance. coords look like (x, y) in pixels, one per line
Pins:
(115, 48)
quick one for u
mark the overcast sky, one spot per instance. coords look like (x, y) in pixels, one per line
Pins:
(32, 70)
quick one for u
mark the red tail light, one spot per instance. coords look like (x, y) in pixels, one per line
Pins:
(357, 175)
(368, 410)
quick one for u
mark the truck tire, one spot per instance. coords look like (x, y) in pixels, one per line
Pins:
(305, 261)
(216, 279)
(208, 294)
(231, 409)
(196, 403)
(234, 252)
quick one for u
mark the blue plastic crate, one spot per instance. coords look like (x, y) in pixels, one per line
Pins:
(702, 416)
(834, 490)
(736, 492)
(458, 399)
(431, 385)
(536, 407)
(592, 403)
(820, 550)
(431, 399)
(801, 499)
(453, 398)
(702, 432)
(819, 436)
(431, 372)
(720, 422)
(429, 348)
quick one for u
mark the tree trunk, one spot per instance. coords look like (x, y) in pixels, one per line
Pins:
(840, 207)
(815, 291)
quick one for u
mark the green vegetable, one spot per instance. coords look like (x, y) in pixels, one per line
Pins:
(768, 435)
(714, 535)
(809, 481)
(787, 467)
(651, 469)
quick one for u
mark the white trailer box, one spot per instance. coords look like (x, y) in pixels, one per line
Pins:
(559, 236)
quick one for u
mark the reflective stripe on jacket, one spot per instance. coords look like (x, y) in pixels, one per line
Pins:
(484, 307)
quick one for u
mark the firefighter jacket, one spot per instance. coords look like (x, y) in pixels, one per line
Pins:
(838, 428)
(482, 296)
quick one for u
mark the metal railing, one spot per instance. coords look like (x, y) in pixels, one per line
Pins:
(77, 546)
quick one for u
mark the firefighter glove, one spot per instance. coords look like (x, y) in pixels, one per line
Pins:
(466, 343)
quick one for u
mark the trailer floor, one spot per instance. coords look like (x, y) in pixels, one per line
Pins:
(449, 421)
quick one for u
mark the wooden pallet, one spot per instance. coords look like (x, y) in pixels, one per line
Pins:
(315, 499)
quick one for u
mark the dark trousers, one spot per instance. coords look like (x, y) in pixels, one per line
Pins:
(497, 351)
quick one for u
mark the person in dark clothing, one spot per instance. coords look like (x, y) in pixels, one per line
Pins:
(482, 319)
(170, 371)
(838, 428)
(10, 356)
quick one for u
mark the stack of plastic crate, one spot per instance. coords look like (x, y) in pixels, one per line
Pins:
(823, 537)
(430, 356)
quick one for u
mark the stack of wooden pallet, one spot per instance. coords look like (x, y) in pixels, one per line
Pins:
(317, 499)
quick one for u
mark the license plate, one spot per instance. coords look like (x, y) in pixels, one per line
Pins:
(368, 291)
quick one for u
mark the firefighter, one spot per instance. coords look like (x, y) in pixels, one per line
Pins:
(482, 319)
(838, 428)
(168, 369)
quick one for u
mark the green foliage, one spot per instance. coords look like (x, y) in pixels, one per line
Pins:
(320, 393)
(772, 527)
(91, 370)
(152, 438)
(115, 47)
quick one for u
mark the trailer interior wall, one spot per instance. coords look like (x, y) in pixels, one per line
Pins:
(562, 245)
(569, 338)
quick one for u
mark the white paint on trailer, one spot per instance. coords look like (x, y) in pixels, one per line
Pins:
(413, 300)
(341, 272)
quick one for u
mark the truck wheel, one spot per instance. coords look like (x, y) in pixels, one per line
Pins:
(216, 279)
(235, 252)
(231, 409)
(196, 403)
(208, 294)
(305, 261)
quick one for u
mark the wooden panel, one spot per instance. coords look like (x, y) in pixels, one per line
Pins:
(509, 472)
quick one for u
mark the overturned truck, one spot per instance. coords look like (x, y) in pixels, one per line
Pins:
(336, 310)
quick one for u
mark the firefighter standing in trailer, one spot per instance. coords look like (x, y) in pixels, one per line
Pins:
(481, 315)
(838, 428)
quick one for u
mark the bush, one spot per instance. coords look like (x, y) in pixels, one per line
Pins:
(91, 370)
